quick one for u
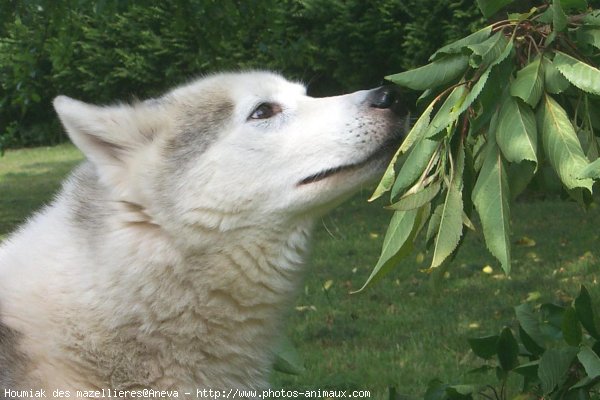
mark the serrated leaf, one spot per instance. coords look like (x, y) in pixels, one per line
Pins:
(585, 312)
(484, 347)
(418, 199)
(396, 244)
(415, 135)
(458, 46)
(287, 359)
(529, 84)
(554, 81)
(488, 51)
(418, 129)
(451, 226)
(508, 350)
(580, 74)
(447, 112)
(490, 7)
(435, 74)
(559, 18)
(561, 144)
(473, 94)
(554, 366)
(434, 224)
(516, 132)
(571, 329)
(491, 198)
(590, 361)
(416, 162)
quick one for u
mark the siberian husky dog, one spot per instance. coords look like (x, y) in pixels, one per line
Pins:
(169, 257)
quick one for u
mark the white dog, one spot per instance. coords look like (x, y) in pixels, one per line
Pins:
(169, 257)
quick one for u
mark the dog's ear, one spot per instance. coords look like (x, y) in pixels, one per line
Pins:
(106, 135)
(111, 136)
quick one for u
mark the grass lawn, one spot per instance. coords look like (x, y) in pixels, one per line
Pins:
(404, 331)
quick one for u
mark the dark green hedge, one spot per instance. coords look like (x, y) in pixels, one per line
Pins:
(100, 51)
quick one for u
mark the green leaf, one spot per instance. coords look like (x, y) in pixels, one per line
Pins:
(435, 74)
(448, 112)
(451, 226)
(574, 4)
(416, 162)
(472, 95)
(396, 244)
(287, 359)
(490, 7)
(571, 329)
(491, 198)
(484, 347)
(415, 135)
(559, 18)
(519, 176)
(561, 144)
(554, 81)
(418, 130)
(418, 199)
(592, 18)
(436, 390)
(489, 51)
(461, 392)
(580, 74)
(590, 36)
(529, 323)
(516, 132)
(458, 46)
(554, 366)
(529, 83)
(508, 350)
(434, 224)
(590, 361)
(528, 370)
(530, 344)
(592, 170)
(585, 312)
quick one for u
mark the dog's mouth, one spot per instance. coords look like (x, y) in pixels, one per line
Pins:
(384, 151)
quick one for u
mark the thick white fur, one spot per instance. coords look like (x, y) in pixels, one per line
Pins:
(167, 259)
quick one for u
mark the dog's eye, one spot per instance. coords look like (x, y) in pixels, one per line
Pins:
(265, 111)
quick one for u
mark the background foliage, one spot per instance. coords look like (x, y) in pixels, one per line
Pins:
(102, 51)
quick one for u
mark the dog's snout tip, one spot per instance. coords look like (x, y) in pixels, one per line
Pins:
(385, 97)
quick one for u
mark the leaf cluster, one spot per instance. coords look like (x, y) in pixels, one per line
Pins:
(553, 349)
(514, 97)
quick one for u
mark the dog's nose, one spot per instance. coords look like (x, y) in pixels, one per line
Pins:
(386, 97)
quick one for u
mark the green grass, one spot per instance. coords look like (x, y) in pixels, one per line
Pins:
(29, 178)
(405, 330)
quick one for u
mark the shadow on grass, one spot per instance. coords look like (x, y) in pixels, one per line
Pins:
(28, 190)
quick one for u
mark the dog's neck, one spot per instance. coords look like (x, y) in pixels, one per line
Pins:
(227, 301)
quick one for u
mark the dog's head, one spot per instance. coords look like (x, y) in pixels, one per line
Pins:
(234, 149)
